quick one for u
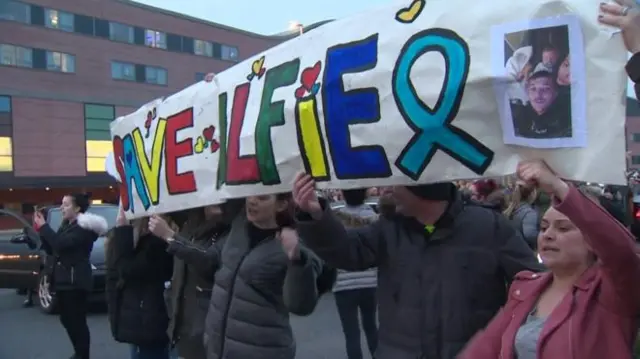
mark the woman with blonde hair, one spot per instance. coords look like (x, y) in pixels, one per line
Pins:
(522, 213)
(138, 265)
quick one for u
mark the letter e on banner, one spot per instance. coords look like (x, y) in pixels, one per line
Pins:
(343, 108)
(185, 182)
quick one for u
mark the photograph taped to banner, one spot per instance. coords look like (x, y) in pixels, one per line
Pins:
(399, 95)
(543, 102)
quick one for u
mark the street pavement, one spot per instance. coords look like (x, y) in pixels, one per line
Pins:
(26, 333)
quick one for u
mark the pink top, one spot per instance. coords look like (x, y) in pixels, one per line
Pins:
(597, 320)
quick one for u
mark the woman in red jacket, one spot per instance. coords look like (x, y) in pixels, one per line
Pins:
(586, 305)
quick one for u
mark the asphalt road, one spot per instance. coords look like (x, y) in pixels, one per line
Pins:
(26, 333)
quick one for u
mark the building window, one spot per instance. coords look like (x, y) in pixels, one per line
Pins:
(155, 75)
(123, 71)
(61, 62)
(12, 55)
(636, 137)
(6, 157)
(203, 48)
(155, 39)
(229, 53)
(121, 32)
(83, 24)
(5, 104)
(635, 160)
(61, 20)
(97, 119)
(15, 11)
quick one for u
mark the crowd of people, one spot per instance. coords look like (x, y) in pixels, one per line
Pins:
(537, 268)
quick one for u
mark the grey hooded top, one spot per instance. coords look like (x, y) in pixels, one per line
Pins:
(255, 289)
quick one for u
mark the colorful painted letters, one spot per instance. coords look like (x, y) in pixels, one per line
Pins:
(145, 171)
(342, 108)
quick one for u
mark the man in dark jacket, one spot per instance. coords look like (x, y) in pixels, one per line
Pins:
(443, 266)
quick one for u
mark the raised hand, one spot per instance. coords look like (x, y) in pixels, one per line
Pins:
(288, 238)
(304, 194)
(38, 219)
(625, 15)
(160, 227)
(539, 174)
(121, 219)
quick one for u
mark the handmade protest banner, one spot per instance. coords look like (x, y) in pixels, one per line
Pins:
(433, 91)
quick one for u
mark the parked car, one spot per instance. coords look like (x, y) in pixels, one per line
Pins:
(22, 257)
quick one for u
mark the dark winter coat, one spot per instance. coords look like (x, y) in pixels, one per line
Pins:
(135, 286)
(256, 287)
(69, 267)
(195, 263)
(435, 290)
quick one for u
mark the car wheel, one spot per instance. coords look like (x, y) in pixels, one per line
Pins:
(46, 298)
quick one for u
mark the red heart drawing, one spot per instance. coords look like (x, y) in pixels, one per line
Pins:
(208, 133)
(300, 91)
(310, 75)
(262, 70)
(214, 146)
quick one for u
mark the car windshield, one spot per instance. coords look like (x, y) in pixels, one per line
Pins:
(108, 212)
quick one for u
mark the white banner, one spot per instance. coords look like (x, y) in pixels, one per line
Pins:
(436, 91)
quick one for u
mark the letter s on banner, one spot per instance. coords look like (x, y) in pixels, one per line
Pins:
(433, 129)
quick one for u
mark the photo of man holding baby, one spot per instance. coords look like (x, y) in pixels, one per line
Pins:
(539, 93)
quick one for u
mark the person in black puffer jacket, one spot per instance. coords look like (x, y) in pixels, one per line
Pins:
(138, 265)
(262, 273)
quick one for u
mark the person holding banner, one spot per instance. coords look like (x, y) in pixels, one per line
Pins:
(625, 15)
(264, 274)
(260, 273)
(442, 264)
(586, 306)
(137, 268)
(195, 262)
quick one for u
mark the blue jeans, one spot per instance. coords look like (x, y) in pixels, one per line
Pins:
(149, 352)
